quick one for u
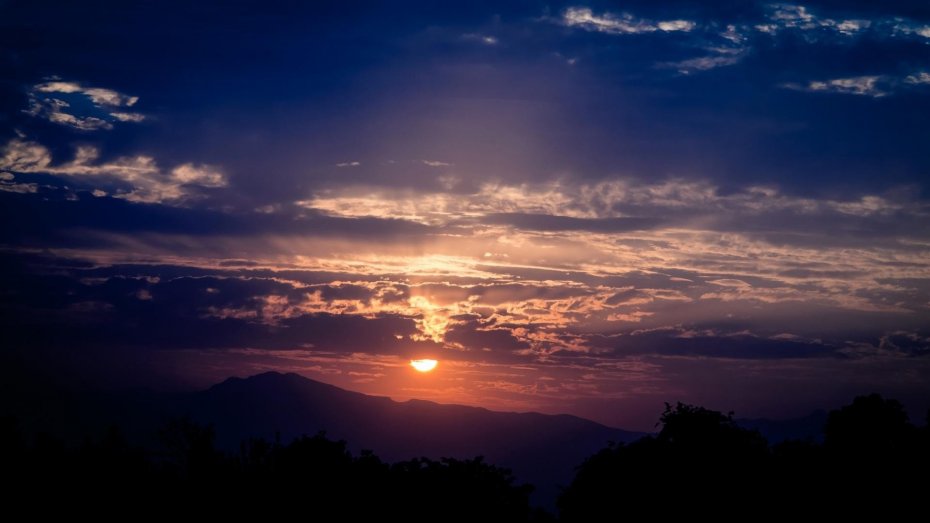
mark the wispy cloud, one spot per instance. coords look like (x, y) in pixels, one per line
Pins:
(349, 164)
(133, 178)
(813, 25)
(791, 16)
(79, 107)
(747, 274)
(875, 86)
(8, 184)
(732, 46)
(704, 63)
(601, 201)
(435, 163)
(907, 27)
(623, 23)
(921, 78)
(729, 47)
(481, 38)
(872, 86)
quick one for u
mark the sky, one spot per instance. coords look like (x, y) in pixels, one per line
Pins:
(589, 208)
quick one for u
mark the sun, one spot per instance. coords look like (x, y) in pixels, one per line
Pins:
(424, 365)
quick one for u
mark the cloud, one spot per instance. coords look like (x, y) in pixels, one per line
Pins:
(907, 27)
(730, 48)
(791, 16)
(349, 164)
(795, 16)
(631, 255)
(435, 163)
(133, 178)
(873, 86)
(920, 78)
(735, 36)
(128, 117)
(545, 222)
(80, 107)
(438, 208)
(739, 40)
(625, 23)
(560, 297)
(494, 320)
(8, 184)
(706, 63)
(676, 25)
(851, 27)
(570, 204)
(98, 96)
(481, 38)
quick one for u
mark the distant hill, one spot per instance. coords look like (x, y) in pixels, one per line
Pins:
(540, 449)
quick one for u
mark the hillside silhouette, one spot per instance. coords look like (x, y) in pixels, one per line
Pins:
(289, 405)
(275, 443)
(187, 474)
(872, 461)
(541, 449)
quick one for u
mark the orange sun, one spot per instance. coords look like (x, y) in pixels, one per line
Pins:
(424, 365)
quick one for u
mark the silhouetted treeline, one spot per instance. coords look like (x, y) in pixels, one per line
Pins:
(312, 477)
(873, 461)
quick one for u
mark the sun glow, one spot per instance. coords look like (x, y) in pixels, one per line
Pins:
(424, 365)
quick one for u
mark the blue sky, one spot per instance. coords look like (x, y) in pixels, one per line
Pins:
(584, 207)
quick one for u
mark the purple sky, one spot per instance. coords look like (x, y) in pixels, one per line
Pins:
(575, 207)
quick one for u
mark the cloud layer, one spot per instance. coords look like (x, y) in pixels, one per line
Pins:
(137, 178)
(83, 108)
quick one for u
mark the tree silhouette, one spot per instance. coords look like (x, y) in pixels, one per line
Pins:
(698, 456)
(701, 463)
(870, 427)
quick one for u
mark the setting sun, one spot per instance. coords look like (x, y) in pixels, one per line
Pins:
(423, 365)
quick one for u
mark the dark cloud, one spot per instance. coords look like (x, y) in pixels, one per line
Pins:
(211, 312)
(543, 222)
(60, 217)
(737, 346)
(488, 344)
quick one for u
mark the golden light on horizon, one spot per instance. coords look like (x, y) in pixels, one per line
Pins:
(423, 365)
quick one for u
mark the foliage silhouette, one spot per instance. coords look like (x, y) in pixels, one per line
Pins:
(697, 452)
(871, 425)
(701, 464)
(311, 475)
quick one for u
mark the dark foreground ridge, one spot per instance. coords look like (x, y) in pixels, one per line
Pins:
(541, 449)
(868, 458)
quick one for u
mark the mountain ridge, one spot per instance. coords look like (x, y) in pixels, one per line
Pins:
(300, 379)
(542, 449)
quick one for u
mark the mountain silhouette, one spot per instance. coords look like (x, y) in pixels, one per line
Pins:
(540, 449)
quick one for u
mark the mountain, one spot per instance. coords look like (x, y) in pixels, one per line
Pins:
(540, 449)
